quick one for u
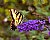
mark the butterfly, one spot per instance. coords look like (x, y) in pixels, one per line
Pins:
(17, 19)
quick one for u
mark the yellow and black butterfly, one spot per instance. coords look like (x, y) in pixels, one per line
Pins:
(17, 18)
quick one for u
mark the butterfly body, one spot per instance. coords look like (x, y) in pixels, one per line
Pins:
(17, 18)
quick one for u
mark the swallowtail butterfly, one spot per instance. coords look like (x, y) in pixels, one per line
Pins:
(17, 18)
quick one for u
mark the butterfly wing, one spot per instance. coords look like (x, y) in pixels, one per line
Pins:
(12, 25)
(17, 18)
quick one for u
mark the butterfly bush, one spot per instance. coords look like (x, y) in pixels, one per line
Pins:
(34, 25)
(31, 25)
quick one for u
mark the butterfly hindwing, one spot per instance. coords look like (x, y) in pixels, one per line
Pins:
(12, 25)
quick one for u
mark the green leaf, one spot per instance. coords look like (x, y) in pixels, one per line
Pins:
(11, 5)
(16, 33)
(23, 1)
(45, 13)
(48, 13)
(39, 10)
(40, 36)
(33, 32)
(13, 1)
(44, 1)
(22, 37)
(24, 12)
(35, 2)
(6, 1)
(49, 39)
(1, 10)
(47, 7)
(7, 12)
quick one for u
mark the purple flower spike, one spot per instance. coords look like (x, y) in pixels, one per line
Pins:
(20, 30)
(32, 21)
(31, 25)
(49, 18)
(42, 22)
(42, 27)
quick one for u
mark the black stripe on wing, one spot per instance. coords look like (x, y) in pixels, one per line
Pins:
(12, 26)
(20, 18)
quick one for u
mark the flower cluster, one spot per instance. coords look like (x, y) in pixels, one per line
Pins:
(31, 25)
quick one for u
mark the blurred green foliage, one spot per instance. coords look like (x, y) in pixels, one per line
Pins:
(42, 8)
